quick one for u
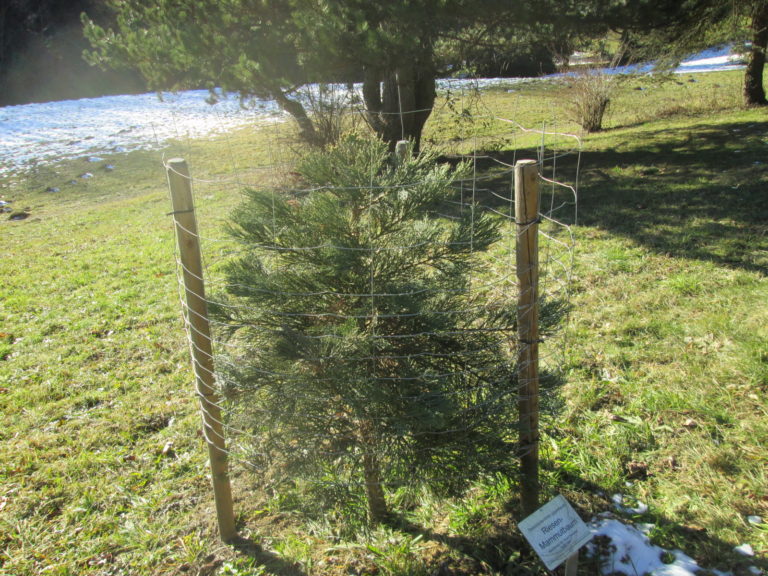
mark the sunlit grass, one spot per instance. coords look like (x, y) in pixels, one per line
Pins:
(103, 469)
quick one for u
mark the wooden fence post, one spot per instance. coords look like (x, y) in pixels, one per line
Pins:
(526, 217)
(196, 314)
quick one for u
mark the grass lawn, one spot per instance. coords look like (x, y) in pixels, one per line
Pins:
(103, 468)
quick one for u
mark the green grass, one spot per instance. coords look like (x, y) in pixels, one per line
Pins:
(665, 360)
(669, 324)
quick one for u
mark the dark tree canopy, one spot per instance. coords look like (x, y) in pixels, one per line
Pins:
(498, 49)
(269, 48)
(41, 45)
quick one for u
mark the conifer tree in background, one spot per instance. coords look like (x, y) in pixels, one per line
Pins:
(366, 351)
(269, 49)
(740, 20)
(669, 30)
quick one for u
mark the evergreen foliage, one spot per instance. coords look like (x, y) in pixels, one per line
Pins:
(503, 49)
(269, 49)
(367, 353)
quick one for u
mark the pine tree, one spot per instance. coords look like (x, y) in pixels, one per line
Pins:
(268, 49)
(368, 352)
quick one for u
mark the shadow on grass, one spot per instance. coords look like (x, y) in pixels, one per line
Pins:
(270, 560)
(497, 547)
(711, 552)
(696, 192)
(500, 549)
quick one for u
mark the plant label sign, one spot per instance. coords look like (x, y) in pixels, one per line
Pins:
(555, 532)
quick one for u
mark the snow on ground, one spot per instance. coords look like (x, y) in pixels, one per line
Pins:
(625, 548)
(712, 60)
(32, 134)
(632, 552)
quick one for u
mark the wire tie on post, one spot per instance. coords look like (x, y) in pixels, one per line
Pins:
(535, 221)
(532, 444)
(180, 212)
(530, 342)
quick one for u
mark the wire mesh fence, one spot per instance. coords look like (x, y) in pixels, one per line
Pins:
(364, 312)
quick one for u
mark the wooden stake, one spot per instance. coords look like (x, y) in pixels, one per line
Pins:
(196, 314)
(526, 215)
(401, 151)
(572, 565)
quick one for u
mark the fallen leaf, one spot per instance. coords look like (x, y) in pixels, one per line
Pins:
(670, 462)
(638, 470)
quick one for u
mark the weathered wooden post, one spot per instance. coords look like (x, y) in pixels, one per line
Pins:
(526, 217)
(196, 315)
(401, 151)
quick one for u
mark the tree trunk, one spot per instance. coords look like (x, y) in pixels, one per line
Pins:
(306, 127)
(754, 93)
(398, 103)
(374, 490)
(425, 94)
(372, 100)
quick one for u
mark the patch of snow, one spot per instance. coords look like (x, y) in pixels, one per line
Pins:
(633, 553)
(626, 549)
(745, 550)
(31, 134)
(720, 58)
(628, 505)
(717, 59)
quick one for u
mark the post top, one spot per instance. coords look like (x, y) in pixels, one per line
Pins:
(526, 162)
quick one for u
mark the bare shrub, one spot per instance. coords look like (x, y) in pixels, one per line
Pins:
(590, 94)
(331, 108)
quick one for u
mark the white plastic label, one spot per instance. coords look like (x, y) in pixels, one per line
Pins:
(555, 532)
